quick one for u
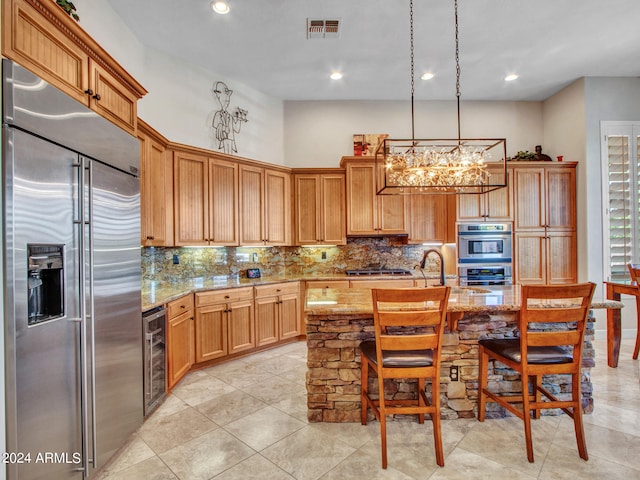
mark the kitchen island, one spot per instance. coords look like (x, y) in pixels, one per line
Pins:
(338, 320)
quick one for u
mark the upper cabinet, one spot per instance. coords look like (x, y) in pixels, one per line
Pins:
(320, 207)
(40, 36)
(265, 206)
(432, 218)
(156, 189)
(206, 200)
(368, 213)
(494, 206)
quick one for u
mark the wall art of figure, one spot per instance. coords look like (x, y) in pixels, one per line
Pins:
(225, 125)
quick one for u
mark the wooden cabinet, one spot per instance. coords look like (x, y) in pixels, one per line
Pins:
(156, 189)
(494, 206)
(180, 335)
(327, 284)
(265, 206)
(206, 200)
(545, 239)
(277, 312)
(43, 38)
(432, 218)
(191, 199)
(368, 213)
(382, 283)
(224, 323)
(320, 208)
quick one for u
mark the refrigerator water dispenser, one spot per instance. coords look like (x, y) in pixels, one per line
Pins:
(45, 282)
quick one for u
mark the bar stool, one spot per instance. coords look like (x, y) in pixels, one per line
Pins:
(408, 326)
(537, 353)
(634, 271)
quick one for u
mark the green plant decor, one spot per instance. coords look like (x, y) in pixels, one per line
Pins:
(524, 155)
(70, 8)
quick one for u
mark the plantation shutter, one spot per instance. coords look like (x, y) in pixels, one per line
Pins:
(621, 156)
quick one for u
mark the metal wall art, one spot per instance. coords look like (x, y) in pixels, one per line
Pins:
(225, 124)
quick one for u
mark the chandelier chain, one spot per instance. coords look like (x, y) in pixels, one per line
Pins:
(413, 136)
(455, 7)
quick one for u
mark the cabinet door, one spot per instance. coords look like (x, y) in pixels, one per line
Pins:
(498, 203)
(290, 316)
(561, 258)
(561, 198)
(530, 198)
(211, 332)
(180, 355)
(530, 257)
(223, 204)
(251, 205)
(277, 211)
(266, 320)
(35, 43)
(191, 201)
(430, 221)
(308, 209)
(112, 99)
(361, 212)
(240, 326)
(470, 208)
(156, 193)
(392, 214)
(333, 219)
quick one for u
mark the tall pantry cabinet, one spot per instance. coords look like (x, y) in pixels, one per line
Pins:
(545, 241)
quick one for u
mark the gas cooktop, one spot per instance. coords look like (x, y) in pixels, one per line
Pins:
(379, 271)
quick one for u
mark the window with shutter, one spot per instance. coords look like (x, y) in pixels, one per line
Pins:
(621, 189)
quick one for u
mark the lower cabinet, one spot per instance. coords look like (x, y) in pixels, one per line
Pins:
(180, 352)
(277, 312)
(224, 323)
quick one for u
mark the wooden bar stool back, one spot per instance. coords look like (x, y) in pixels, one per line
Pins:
(634, 271)
(561, 310)
(408, 340)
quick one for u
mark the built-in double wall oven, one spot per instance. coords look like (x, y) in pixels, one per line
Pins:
(485, 253)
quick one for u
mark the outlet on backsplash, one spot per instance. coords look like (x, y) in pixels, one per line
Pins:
(323, 255)
(255, 257)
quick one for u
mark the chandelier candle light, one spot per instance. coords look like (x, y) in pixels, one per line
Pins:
(452, 166)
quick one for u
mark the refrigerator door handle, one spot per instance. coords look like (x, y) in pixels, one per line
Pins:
(82, 309)
(92, 339)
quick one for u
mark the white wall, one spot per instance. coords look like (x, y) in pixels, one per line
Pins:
(318, 134)
(572, 125)
(180, 103)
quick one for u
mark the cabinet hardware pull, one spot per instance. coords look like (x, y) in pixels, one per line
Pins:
(226, 296)
(183, 306)
(97, 96)
(88, 91)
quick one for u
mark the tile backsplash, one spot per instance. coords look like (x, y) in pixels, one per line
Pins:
(158, 263)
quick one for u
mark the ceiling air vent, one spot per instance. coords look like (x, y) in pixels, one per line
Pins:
(323, 28)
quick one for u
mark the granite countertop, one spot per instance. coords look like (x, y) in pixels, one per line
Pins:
(155, 293)
(493, 299)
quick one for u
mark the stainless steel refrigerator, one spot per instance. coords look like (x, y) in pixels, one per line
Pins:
(71, 282)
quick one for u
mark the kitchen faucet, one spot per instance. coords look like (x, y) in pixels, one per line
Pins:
(423, 262)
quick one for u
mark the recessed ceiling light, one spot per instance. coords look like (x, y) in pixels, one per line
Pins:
(510, 78)
(427, 76)
(220, 7)
(335, 76)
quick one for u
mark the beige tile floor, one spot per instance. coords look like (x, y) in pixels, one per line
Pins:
(247, 420)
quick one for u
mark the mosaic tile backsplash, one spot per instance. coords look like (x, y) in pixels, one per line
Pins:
(359, 253)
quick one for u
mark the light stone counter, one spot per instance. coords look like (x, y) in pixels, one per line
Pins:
(155, 294)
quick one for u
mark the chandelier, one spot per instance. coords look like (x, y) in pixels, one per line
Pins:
(454, 166)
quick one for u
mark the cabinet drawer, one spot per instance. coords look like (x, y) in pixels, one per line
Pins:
(328, 284)
(179, 306)
(277, 289)
(224, 296)
(404, 283)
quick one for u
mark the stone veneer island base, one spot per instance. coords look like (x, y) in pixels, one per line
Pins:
(338, 320)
